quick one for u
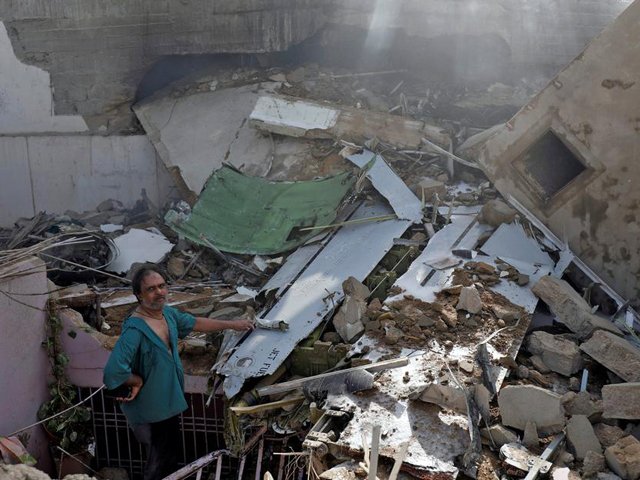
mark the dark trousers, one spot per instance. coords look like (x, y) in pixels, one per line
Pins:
(161, 443)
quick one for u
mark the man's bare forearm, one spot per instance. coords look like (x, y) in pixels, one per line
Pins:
(204, 324)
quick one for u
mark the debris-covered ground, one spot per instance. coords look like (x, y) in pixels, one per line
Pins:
(367, 240)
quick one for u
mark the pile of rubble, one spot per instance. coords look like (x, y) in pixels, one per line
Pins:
(413, 274)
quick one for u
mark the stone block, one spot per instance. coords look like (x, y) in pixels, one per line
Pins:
(520, 404)
(353, 288)
(429, 187)
(570, 308)
(559, 354)
(496, 212)
(538, 364)
(500, 435)
(621, 400)
(624, 458)
(581, 437)
(581, 404)
(347, 321)
(614, 353)
(469, 300)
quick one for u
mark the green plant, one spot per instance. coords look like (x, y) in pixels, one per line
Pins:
(71, 430)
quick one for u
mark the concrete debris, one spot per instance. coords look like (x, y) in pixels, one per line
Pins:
(538, 364)
(366, 285)
(428, 187)
(614, 353)
(581, 404)
(392, 335)
(593, 463)
(621, 400)
(581, 437)
(608, 435)
(348, 320)
(470, 300)
(298, 117)
(624, 458)
(520, 404)
(355, 289)
(559, 354)
(496, 212)
(499, 434)
(341, 472)
(446, 396)
(570, 308)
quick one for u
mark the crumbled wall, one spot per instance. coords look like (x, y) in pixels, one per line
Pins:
(97, 52)
(593, 107)
(24, 365)
(56, 173)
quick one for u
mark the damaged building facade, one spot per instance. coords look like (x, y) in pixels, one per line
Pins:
(432, 229)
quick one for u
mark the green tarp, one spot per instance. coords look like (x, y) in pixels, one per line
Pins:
(241, 214)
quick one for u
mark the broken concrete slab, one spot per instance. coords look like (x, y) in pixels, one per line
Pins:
(469, 300)
(614, 353)
(581, 437)
(303, 118)
(138, 246)
(520, 404)
(624, 458)
(621, 400)
(570, 308)
(559, 354)
(195, 134)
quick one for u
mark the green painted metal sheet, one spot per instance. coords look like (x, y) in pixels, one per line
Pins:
(242, 214)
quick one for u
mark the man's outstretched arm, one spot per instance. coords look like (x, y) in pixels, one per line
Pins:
(204, 324)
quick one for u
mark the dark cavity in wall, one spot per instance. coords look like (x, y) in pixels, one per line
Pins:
(172, 68)
(549, 165)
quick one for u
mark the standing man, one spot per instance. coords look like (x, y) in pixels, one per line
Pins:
(145, 362)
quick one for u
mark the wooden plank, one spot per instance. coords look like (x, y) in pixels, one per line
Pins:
(265, 407)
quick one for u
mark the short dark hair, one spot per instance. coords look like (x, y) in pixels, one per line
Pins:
(139, 276)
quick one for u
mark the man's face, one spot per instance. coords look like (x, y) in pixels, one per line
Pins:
(153, 291)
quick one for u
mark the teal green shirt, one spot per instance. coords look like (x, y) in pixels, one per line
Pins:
(139, 350)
